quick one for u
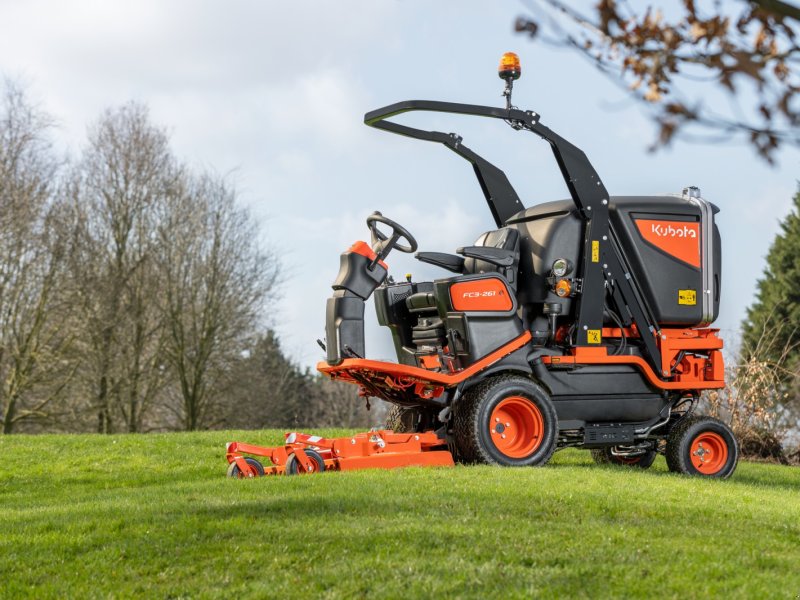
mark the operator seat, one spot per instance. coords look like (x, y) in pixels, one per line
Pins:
(505, 239)
(495, 251)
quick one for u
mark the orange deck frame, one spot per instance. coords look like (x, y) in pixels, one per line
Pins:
(382, 449)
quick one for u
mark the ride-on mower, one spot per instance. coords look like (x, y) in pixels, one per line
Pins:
(575, 323)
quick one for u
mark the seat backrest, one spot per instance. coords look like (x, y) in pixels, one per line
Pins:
(505, 238)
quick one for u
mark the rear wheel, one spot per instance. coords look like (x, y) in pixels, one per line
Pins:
(293, 465)
(606, 456)
(702, 446)
(506, 420)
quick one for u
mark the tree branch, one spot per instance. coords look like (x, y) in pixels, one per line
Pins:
(776, 6)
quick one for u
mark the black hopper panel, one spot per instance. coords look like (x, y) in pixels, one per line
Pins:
(662, 239)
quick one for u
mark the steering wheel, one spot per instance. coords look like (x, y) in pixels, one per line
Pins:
(382, 244)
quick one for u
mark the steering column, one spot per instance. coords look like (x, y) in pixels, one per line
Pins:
(361, 271)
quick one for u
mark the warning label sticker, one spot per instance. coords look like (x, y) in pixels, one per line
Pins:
(595, 251)
(687, 297)
(593, 336)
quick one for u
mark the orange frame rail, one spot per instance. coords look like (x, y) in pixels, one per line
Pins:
(680, 368)
(436, 381)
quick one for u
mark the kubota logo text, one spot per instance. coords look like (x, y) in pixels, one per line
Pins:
(669, 231)
(680, 239)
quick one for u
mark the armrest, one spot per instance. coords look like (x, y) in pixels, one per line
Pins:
(495, 256)
(451, 262)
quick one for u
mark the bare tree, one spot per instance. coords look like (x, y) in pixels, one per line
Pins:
(131, 290)
(31, 265)
(216, 277)
(126, 176)
(337, 404)
(672, 62)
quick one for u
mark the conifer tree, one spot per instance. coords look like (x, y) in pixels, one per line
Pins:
(772, 327)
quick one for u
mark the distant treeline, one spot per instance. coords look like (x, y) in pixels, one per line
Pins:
(133, 291)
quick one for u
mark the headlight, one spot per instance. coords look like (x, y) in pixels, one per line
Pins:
(561, 267)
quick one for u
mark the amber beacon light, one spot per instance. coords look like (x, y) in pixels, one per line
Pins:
(509, 66)
(509, 71)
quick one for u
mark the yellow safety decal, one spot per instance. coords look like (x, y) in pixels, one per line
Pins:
(593, 336)
(687, 297)
(595, 253)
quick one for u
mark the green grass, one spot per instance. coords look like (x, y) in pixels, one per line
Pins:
(154, 516)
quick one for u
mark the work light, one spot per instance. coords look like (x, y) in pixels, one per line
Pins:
(561, 267)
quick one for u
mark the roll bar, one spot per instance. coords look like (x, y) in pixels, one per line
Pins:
(584, 184)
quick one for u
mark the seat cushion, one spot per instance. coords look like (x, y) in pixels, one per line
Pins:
(421, 302)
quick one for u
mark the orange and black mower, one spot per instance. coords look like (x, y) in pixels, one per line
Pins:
(580, 323)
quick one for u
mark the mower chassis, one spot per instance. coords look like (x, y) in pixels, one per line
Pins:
(678, 362)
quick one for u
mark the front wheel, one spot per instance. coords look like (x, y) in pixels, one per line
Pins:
(235, 472)
(505, 420)
(702, 446)
(293, 466)
(401, 419)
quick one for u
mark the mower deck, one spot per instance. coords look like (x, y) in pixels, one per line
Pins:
(303, 453)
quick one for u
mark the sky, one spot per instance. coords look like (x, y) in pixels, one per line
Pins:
(272, 94)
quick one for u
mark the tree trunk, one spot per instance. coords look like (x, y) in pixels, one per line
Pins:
(8, 416)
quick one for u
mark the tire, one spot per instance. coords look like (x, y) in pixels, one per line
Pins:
(604, 456)
(702, 446)
(235, 472)
(293, 466)
(486, 413)
(401, 419)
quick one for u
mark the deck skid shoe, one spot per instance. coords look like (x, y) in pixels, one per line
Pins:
(303, 453)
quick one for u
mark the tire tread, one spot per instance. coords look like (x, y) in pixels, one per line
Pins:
(401, 419)
(466, 421)
(678, 460)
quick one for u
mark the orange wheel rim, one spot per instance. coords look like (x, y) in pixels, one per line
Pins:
(709, 453)
(516, 427)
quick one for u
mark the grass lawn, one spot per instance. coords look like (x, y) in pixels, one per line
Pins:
(155, 516)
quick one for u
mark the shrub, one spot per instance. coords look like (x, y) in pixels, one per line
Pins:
(754, 403)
